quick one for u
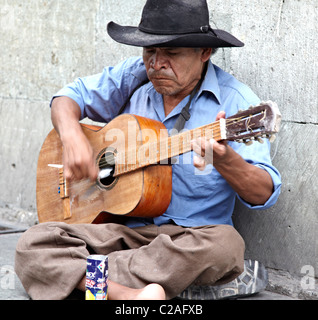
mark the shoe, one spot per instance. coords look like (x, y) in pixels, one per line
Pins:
(254, 279)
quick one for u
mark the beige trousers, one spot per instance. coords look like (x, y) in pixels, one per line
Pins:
(51, 257)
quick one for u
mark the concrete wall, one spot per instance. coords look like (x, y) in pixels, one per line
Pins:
(46, 44)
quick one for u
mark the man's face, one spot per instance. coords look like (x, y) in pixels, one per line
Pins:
(174, 71)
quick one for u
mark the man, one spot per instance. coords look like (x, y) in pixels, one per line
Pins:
(193, 243)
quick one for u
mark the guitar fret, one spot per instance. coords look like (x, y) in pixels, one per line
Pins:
(163, 149)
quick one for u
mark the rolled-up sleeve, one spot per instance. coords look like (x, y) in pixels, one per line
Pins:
(259, 155)
(276, 178)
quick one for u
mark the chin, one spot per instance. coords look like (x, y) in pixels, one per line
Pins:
(166, 90)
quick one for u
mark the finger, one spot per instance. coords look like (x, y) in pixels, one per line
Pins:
(219, 148)
(81, 166)
(68, 174)
(72, 166)
(78, 174)
(91, 167)
(198, 146)
(93, 172)
(67, 165)
(199, 163)
(220, 115)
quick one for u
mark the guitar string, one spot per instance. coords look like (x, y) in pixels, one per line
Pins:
(105, 161)
(170, 152)
(198, 131)
(153, 160)
(76, 188)
(86, 183)
(174, 143)
(172, 138)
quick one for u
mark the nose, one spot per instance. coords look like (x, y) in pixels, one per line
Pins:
(159, 60)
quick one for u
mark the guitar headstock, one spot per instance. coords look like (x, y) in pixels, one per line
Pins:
(261, 121)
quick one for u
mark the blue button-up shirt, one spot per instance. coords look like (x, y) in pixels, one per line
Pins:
(198, 198)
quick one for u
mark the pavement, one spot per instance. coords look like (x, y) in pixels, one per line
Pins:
(10, 285)
(12, 289)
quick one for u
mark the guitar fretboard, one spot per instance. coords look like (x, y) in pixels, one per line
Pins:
(159, 152)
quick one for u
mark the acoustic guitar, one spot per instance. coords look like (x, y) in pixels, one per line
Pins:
(133, 154)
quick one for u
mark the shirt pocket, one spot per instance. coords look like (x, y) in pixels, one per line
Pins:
(203, 181)
(196, 183)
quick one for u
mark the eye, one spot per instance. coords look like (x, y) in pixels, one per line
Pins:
(172, 52)
(149, 50)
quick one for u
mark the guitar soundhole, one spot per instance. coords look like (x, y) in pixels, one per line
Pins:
(107, 168)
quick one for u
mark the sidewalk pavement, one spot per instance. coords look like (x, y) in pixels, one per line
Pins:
(12, 289)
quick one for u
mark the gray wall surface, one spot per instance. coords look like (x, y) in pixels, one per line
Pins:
(46, 44)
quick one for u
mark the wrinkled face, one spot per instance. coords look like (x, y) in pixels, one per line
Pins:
(174, 71)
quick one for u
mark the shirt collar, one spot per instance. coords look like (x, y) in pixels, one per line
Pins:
(211, 83)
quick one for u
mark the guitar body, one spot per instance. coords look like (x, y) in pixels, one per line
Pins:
(145, 192)
(132, 153)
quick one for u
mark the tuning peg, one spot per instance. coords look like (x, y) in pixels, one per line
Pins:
(272, 138)
(239, 141)
(260, 140)
(248, 142)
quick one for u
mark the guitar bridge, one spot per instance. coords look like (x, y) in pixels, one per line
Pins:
(64, 194)
(63, 186)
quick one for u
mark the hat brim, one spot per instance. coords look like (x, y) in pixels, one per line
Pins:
(134, 37)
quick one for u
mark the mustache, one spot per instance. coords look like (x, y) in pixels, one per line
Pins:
(160, 75)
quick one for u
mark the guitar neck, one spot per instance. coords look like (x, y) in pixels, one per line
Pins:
(181, 143)
(163, 150)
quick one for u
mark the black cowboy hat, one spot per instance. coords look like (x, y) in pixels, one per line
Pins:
(173, 23)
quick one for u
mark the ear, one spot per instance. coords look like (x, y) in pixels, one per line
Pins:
(206, 54)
